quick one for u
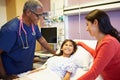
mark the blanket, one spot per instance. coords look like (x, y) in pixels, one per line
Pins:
(45, 74)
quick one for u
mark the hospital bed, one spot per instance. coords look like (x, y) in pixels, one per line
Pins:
(82, 58)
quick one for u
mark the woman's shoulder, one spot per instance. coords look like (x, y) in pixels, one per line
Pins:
(109, 38)
(111, 41)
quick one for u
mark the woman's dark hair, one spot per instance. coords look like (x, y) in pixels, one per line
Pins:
(104, 23)
(73, 43)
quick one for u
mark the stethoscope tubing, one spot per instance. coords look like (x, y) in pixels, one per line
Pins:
(21, 27)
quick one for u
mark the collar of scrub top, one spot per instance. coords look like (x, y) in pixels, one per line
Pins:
(21, 27)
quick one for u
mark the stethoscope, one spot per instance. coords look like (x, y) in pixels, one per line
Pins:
(26, 37)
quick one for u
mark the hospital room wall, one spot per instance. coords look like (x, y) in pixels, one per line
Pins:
(73, 23)
(77, 22)
(77, 2)
(14, 8)
(10, 9)
(2, 12)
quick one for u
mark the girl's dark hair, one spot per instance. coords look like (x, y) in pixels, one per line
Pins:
(73, 43)
(104, 23)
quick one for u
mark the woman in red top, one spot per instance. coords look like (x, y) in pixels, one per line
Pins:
(107, 52)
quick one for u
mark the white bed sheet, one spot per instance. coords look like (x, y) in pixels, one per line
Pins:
(49, 75)
(45, 74)
(80, 72)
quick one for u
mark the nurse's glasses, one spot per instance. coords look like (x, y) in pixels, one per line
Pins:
(38, 15)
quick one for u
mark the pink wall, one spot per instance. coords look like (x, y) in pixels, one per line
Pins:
(74, 25)
(115, 19)
(46, 5)
(77, 2)
(46, 8)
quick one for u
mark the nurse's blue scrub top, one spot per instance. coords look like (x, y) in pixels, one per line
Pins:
(16, 59)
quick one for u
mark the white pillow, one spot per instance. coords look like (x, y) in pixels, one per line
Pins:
(82, 57)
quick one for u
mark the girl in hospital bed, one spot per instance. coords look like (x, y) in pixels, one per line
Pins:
(59, 67)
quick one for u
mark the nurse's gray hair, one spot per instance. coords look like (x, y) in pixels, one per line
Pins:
(32, 5)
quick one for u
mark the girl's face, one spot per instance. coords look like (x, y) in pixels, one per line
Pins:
(92, 28)
(67, 48)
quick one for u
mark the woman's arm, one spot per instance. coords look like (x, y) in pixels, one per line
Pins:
(105, 53)
(67, 76)
(90, 50)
